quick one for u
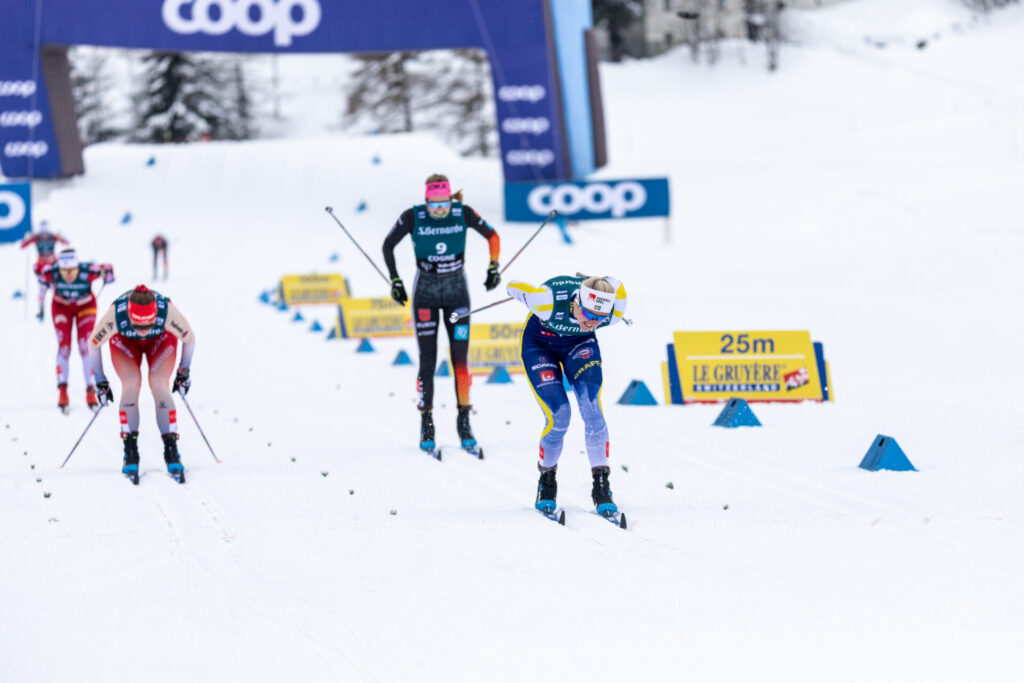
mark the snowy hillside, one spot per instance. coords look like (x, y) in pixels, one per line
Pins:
(869, 195)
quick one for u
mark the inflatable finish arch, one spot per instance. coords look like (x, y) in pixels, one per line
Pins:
(545, 98)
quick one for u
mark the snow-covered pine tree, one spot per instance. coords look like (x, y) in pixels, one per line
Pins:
(90, 87)
(182, 98)
(460, 103)
(240, 115)
(382, 93)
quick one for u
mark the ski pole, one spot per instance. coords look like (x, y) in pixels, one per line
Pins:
(331, 211)
(94, 416)
(535, 233)
(185, 401)
(456, 316)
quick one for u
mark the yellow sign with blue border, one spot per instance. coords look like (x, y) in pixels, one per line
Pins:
(494, 344)
(300, 290)
(708, 367)
(374, 317)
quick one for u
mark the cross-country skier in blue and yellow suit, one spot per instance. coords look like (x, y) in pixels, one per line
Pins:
(559, 338)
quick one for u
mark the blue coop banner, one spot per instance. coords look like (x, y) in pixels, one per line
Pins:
(15, 211)
(587, 200)
(534, 93)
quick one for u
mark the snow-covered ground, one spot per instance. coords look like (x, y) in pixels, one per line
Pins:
(870, 195)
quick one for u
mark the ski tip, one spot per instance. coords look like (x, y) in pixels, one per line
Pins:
(561, 517)
(622, 521)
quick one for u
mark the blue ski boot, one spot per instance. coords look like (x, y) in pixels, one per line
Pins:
(427, 430)
(171, 457)
(602, 494)
(547, 489)
(131, 454)
(462, 425)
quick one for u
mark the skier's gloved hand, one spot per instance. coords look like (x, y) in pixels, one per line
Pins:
(181, 382)
(108, 273)
(493, 276)
(398, 291)
(103, 393)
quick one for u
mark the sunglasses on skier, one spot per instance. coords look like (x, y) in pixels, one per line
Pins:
(439, 205)
(593, 316)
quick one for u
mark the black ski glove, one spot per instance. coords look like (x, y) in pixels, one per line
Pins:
(103, 393)
(493, 276)
(398, 291)
(181, 382)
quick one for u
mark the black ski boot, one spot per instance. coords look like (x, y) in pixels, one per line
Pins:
(547, 489)
(131, 454)
(427, 430)
(602, 494)
(462, 425)
(171, 457)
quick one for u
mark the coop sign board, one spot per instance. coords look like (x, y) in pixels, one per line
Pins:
(587, 200)
(494, 344)
(15, 211)
(300, 290)
(376, 317)
(754, 365)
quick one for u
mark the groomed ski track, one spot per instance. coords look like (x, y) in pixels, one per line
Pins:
(327, 547)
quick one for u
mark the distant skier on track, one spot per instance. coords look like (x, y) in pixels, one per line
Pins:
(159, 246)
(143, 323)
(438, 229)
(559, 338)
(73, 311)
(46, 245)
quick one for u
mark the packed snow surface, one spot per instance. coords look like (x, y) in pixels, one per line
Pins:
(871, 195)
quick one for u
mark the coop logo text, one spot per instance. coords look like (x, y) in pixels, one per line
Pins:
(286, 19)
(596, 198)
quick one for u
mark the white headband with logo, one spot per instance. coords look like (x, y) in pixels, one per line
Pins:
(67, 259)
(596, 301)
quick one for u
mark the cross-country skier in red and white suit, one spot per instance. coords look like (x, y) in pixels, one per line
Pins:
(73, 306)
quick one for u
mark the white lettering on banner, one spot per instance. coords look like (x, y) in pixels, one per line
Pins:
(17, 88)
(594, 197)
(273, 15)
(537, 125)
(26, 148)
(15, 209)
(530, 157)
(21, 118)
(522, 93)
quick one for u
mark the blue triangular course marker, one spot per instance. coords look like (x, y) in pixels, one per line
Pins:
(442, 370)
(886, 454)
(297, 317)
(265, 297)
(127, 218)
(282, 306)
(334, 257)
(402, 358)
(736, 413)
(17, 294)
(499, 375)
(361, 207)
(637, 394)
(333, 334)
(365, 346)
(375, 159)
(151, 161)
(316, 327)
